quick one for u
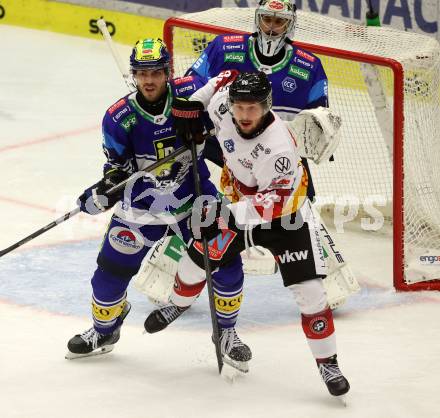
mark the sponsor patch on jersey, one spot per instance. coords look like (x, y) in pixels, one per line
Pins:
(282, 165)
(299, 72)
(292, 256)
(280, 183)
(186, 89)
(128, 122)
(124, 240)
(288, 84)
(164, 146)
(229, 145)
(181, 80)
(116, 106)
(305, 55)
(233, 38)
(120, 113)
(218, 245)
(235, 57)
(231, 47)
(222, 109)
(246, 163)
(255, 153)
(304, 63)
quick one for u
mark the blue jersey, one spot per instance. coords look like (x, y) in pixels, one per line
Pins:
(298, 80)
(133, 139)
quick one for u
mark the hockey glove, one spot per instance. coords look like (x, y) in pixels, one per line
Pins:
(94, 200)
(188, 121)
(207, 224)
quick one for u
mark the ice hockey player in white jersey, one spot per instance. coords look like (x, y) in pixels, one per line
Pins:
(266, 186)
(299, 85)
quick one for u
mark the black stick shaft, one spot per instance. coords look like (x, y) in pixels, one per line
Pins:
(207, 263)
(77, 210)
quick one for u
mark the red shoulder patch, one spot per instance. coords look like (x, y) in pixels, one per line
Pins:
(116, 106)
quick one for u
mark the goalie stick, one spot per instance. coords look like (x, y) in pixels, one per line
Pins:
(77, 210)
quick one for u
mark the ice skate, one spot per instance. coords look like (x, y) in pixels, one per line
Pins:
(234, 351)
(92, 343)
(332, 376)
(161, 318)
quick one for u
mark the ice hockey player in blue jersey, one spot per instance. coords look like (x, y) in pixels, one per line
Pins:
(138, 131)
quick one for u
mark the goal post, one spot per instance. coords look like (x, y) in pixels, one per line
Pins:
(385, 84)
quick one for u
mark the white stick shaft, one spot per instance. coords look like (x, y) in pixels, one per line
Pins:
(108, 39)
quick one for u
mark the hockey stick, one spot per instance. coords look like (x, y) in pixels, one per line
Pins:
(215, 331)
(108, 40)
(77, 210)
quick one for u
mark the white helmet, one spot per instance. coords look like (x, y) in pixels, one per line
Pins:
(271, 41)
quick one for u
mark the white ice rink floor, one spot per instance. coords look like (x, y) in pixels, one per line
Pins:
(54, 90)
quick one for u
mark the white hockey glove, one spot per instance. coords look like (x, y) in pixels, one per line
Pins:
(317, 133)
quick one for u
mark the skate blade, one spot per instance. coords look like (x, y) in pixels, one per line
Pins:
(342, 399)
(241, 366)
(103, 350)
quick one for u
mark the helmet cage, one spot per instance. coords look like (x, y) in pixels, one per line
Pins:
(270, 44)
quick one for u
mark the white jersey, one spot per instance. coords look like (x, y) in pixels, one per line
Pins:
(262, 176)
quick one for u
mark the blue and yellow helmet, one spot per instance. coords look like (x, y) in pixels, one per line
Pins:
(149, 54)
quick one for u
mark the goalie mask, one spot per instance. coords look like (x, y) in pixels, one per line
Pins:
(149, 54)
(275, 20)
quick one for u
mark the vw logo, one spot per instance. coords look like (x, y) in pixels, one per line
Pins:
(282, 165)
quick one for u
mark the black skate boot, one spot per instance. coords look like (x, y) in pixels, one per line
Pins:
(335, 381)
(234, 351)
(161, 318)
(92, 343)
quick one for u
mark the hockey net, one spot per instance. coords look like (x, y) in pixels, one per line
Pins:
(385, 85)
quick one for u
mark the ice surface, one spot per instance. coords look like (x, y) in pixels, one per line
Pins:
(54, 92)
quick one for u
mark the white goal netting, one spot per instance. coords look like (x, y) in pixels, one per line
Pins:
(390, 149)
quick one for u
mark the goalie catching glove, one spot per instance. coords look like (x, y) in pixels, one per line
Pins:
(317, 133)
(188, 121)
(95, 200)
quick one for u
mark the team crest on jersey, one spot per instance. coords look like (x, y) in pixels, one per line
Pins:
(229, 145)
(218, 245)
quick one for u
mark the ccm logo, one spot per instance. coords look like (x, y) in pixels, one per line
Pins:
(2, 12)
